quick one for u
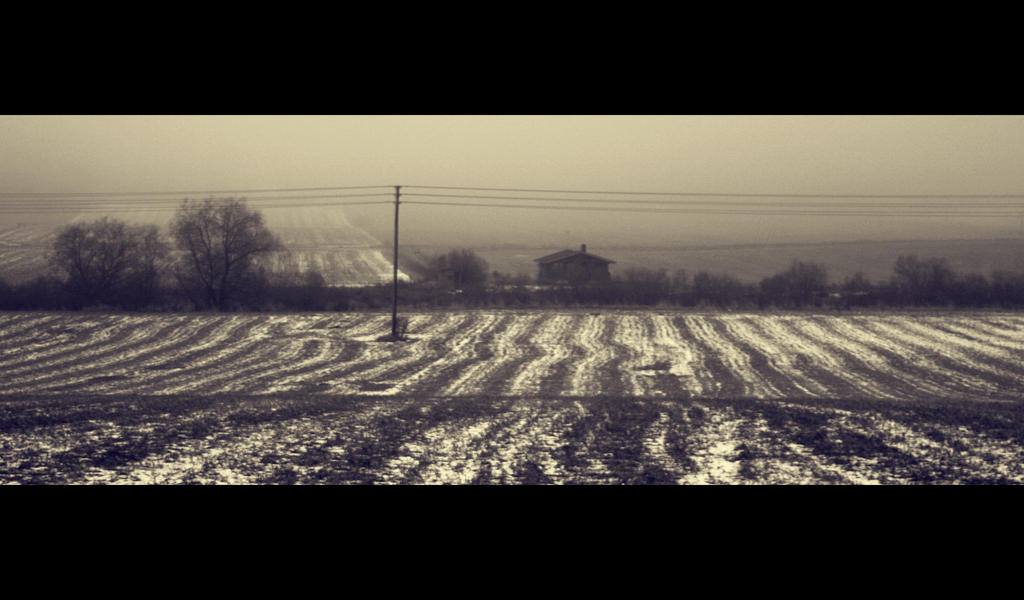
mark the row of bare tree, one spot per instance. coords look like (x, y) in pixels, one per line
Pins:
(914, 282)
(212, 257)
(213, 261)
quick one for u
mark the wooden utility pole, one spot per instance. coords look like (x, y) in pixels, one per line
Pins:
(394, 304)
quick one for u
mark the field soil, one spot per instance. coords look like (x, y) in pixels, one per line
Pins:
(496, 397)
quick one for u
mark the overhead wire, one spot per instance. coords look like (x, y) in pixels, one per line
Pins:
(635, 210)
(119, 204)
(798, 204)
(186, 192)
(714, 194)
(717, 203)
(173, 208)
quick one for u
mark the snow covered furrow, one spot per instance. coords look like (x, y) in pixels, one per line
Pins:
(658, 359)
(316, 346)
(716, 441)
(62, 339)
(655, 447)
(880, 357)
(151, 364)
(368, 326)
(507, 348)
(435, 349)
(309, 366)
(526, 354)
(149, 339)
(17, 326)
(408, 364)
(32, 334)
(413, 357)
(448, 455)
(977, 356)
(496, 449)
(1012, 342)
(258, 365)
(713, 375)
(942, 331)
(550, 341)
(924, 353)
(681, 356)
(732, 357)
(355, 347)
(252, 347)
(190, 366)
(1008, 322)
(631, 335)
(778, 365)
(810, 339)
(113, 333)
(595, 357)
(534, 438)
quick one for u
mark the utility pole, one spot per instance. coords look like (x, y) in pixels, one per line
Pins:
(394, 305)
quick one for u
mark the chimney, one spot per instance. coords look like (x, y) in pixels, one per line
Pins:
(583, 248)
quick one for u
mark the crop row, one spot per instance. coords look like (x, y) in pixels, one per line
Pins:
(648, 354)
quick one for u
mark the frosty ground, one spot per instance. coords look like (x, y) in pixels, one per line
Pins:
(504, 397)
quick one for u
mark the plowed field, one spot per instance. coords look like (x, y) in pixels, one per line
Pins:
(512, 397)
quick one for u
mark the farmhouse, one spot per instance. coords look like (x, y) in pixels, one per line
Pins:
(573, 266)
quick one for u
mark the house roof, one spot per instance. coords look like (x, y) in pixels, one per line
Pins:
(564, 254)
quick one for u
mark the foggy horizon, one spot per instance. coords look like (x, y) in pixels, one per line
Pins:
(761, 300)
(802, 161)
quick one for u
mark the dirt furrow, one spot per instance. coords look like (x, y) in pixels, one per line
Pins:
(595, 356)
(355, 341)
(877, 359)
(258, 347)
(546, 346)
(116, 362)
(738, 356)
(17, 328)
(771, 364)
(220, 350)
(62, 340)
(713, 375)
(840, 369)
(438, 353)
(504, 355)
(481, 343)
(942, 360)
(658, 363)
(308, 372)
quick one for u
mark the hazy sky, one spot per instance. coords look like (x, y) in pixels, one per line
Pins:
(703, 153)
(768, 154)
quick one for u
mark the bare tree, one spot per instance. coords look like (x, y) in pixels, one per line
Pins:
(221, 240)
(468, 268)
(108, 261)
(923, 281)
(797, 286)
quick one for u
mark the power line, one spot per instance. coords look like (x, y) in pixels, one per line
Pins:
(44, 202)
(716, 194)
(827, 213)
(801, 204)
(170, 208)
(57, 195)
(71, 195)
(674, 202)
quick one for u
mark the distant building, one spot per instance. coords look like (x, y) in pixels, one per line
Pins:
(572, 266)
